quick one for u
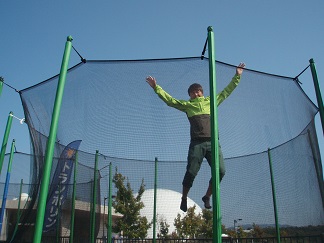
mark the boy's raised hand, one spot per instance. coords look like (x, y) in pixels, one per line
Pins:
(240, 68)
(151, 81)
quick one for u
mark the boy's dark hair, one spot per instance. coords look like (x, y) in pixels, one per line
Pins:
(195, 86)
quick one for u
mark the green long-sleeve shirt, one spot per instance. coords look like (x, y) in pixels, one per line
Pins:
(198, 109)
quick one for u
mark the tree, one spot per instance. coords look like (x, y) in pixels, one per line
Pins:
(189, 226)
(257, 231)
(196, 226)
(132, 223)
(164, 227)
(241, 233)
(206, 227)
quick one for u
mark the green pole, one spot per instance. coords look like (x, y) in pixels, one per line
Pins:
(319, 174)
(51, 143)
(109, 223)
(317, 92)
(73, 197)
(5, 140)
(93, 216)
(217, 224)
(1, 85)
(154, 207)
(18, 210)
(91, 208)
(274, 197)
(5, 192)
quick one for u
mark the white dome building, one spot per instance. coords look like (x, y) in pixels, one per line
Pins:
(167, 208)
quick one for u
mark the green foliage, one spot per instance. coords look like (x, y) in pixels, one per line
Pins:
(201, 226)
(288, 231)
(295, 231)
(241, 233)
(132, 224)
(189, 226)
(257, 231)
(164, 228)
(195, 226)
(206, 227)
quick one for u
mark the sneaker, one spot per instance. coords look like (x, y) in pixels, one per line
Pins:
(183, 205)
(206, 201)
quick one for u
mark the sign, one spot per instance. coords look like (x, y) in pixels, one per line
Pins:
(59, 186)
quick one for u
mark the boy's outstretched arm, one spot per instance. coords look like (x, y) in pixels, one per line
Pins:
(232, 85)
(168, 99)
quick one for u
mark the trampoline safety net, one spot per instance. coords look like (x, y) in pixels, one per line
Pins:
(110, 108)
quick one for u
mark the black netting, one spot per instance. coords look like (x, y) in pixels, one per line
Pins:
(109, 106)
(83, 199)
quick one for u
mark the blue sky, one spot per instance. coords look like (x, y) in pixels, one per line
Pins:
(277, 37)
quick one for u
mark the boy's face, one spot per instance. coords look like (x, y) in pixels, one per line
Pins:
(196, 93)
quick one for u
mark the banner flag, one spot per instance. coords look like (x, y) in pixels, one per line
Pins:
(58, 188)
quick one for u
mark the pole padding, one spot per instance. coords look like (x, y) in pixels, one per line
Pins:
(51, 143)
(317, 92)
(5, 139)
(217, 224)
